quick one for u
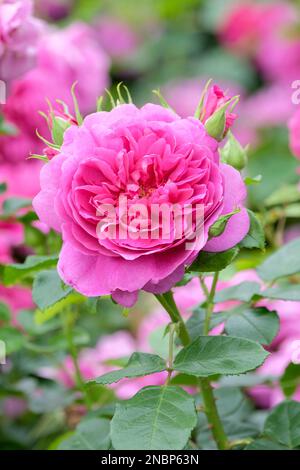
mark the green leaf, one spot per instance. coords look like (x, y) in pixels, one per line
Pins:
(265, 444)
(252, 180)
(284, 262)
(284, 292)
(244, 292)
(195, 323)
(283, 424)
(292, 211)
(3, 188)
(207, 262)
(210, 355)
(13, 204)
(90, 434)
(290, 380)
(284, 195)
(139, 364)
(50, 397)
(219, 226)
(27, 321)
(13, 339)
(257, 324)
(51, 295)
(255, 238)
(156, 418)
(4, 313)
(14, 273)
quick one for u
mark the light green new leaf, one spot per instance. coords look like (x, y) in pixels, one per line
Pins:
(226, 355)
(156, 418)
(139, 364)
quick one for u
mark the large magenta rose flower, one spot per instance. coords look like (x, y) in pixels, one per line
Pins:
(151, 156)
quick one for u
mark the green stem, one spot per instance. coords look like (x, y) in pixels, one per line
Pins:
(210, 304)
(167, 301)
(68, 327)
(212, 414)
(205, 385)
(210, 408)
(171, 351)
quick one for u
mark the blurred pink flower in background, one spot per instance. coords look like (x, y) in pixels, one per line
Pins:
(116, 37)
(246, 24)
(270, 106)
(64, 57)
(20, 33)
(294, 128)
(22, 179)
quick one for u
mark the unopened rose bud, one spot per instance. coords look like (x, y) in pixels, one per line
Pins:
(215, 125)
(233, 153)
(58, 127)
(215, 111)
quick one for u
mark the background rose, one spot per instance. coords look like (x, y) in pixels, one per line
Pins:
(152, 156)
(294, 126)
(20, 33)
(52, 79)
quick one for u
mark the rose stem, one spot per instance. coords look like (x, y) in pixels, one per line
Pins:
(211, 411)
(68, 327)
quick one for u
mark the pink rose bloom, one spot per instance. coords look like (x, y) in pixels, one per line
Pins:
(22, 179)
(268, 107)
(278, 58)
(116, 37)
(294, 128)
(151, 156)
(19, 36)
(93, 362)
(247, 24)
(17, 298)
(240, 29)
(64, 57)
